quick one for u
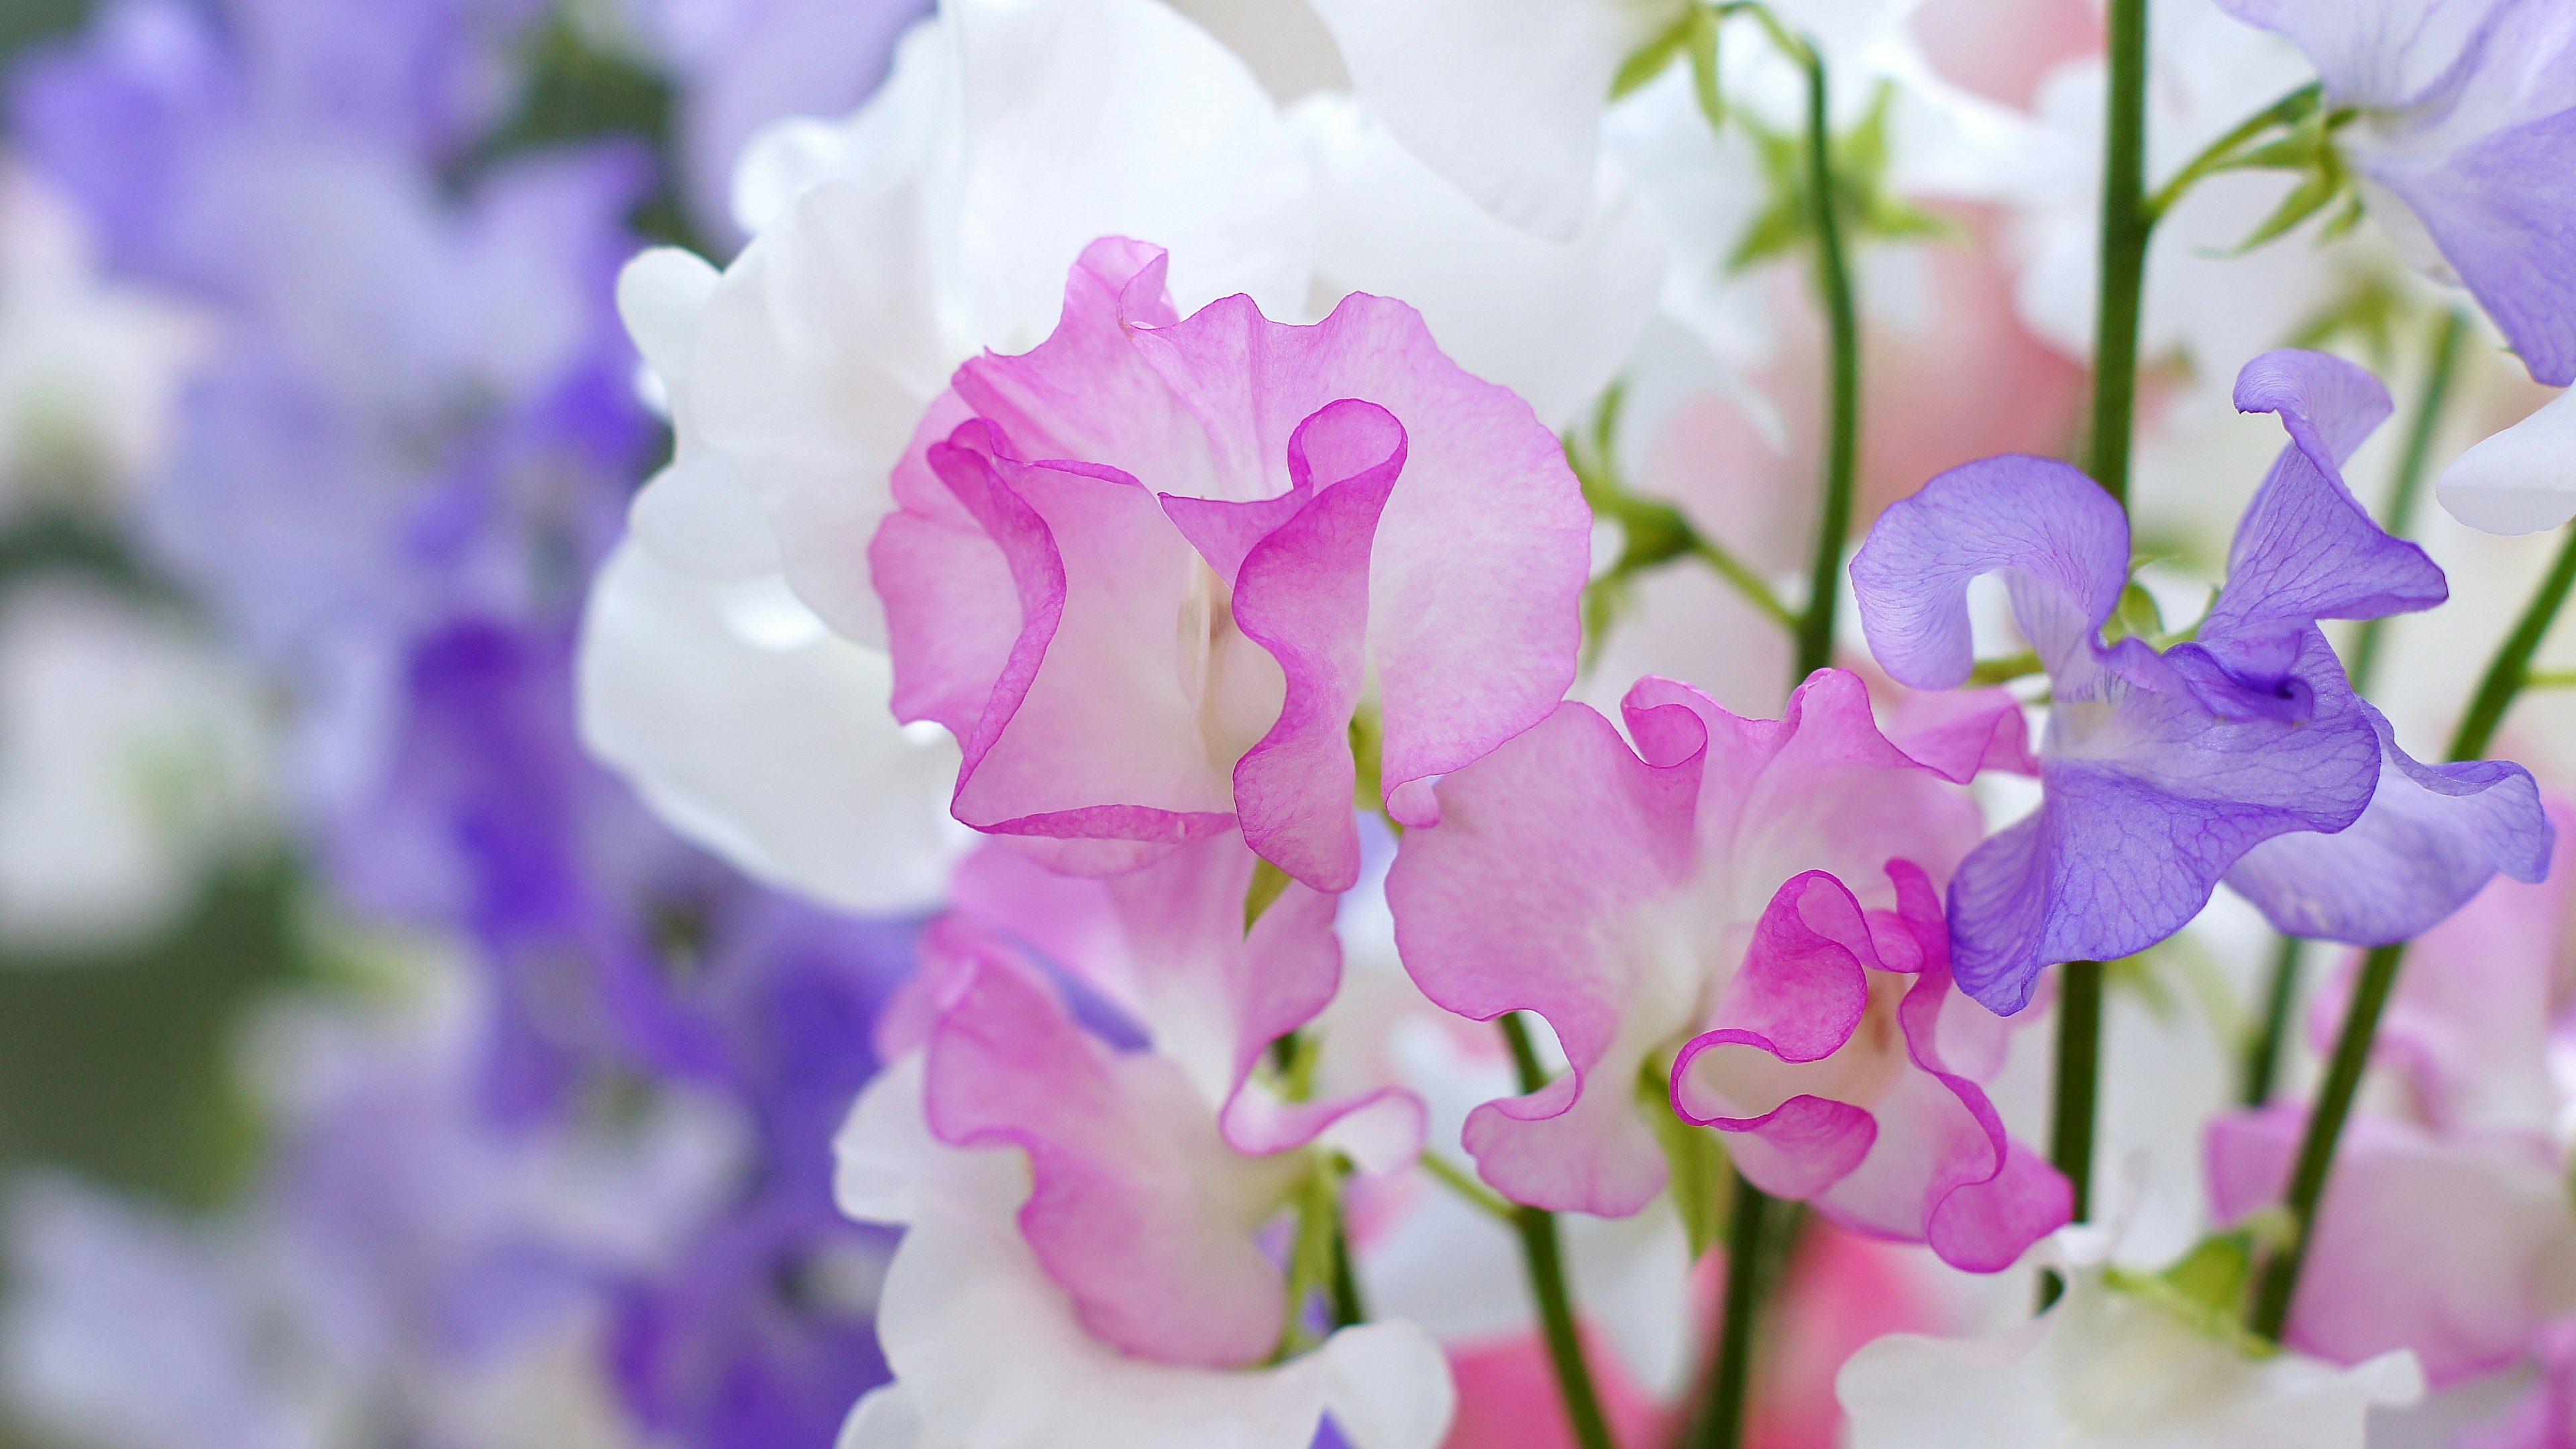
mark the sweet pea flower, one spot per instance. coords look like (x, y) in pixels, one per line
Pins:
(2445, 1228)
(2241, 754)
(795, 377)
(1695, 907)
(2108, 1369)
(1322, 519)
(2465, 140)
(1084, 1262)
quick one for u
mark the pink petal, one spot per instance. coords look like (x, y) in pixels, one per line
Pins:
(2457, 1249)
(1488, 923)
(1129, 1210)
(1302, 593)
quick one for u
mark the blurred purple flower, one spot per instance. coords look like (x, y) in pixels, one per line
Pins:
(742, 64)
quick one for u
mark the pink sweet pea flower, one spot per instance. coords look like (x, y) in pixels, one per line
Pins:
(2446, 1226)
(1148, 572)
(1753, 902)
(1091, 1255)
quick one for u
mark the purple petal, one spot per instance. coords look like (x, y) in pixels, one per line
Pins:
(2498, 210)
(2151, 795)
(2062, 542)
(2431, 839)
(2306, 549)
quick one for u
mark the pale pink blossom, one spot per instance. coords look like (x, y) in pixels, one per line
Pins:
(1148, 573)
(1749, 905)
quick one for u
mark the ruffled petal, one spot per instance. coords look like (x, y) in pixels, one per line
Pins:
(2434, 835)
(1488, 923)
(2060, 541)
(2497, 208)
(2306, 549)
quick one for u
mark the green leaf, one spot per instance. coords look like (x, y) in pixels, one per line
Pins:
(1698, 1161)
(1649, 61)
(1703, 58)
(2305, 200)
(1775, 233)
(1269, 883)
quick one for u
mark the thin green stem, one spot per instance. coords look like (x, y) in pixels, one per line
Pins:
(1544, 1256)
(1730, 1372)
(2280, 1278)
(2512, 665)
(2280, 994)
(1745, 581)
(2223, 150)
(2126, 221)
(2450, 339)
(1457, 1180)
(2504, 679)
(2079, 1077)
(2549, 679)
(1842, 423)
(1349, 1306)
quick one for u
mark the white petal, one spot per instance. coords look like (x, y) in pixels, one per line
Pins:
(1503, 97)
(884, 1419)
(659, 296)
(1387, 1385)
(2522, 480)
(764, 737)
(884, 1155)
(1552, 321)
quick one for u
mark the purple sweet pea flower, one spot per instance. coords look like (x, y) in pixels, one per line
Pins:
(2466, 141)
(2242, 754)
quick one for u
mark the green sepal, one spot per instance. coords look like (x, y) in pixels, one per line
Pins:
(1650, 59)
(1697, 1160)
(1703, 59)
(2320, 189)
(2207, 1288)
(1269, 883)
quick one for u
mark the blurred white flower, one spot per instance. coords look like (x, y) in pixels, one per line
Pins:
(132, 759)
(2108, 1369)
(87, 370)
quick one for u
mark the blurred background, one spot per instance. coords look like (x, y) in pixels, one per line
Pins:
(373, 1070)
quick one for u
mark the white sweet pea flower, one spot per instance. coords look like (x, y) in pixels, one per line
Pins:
(86, 370)
(1552, 321)
(2522, 480)
(937, 221)
(2108, 1369)
(132, 759)
(764, 736)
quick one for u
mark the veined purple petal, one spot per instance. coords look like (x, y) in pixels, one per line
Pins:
(2061, 542)
(2498, 209)
(2431, 839)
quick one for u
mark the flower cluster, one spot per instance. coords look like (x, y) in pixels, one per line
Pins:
(1371, 723)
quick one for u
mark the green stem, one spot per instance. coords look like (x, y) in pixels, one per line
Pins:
(2512, 665)
(1730, 1372)
(2079, 1078)
(1545, 1257)
(2126, 221)
(2218, 153)
(1479, 1196)
(2504, 679)
(1349, 1307)
(2450, 337)
(2263, 1057)
(1745, 581)
(1842, 425)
